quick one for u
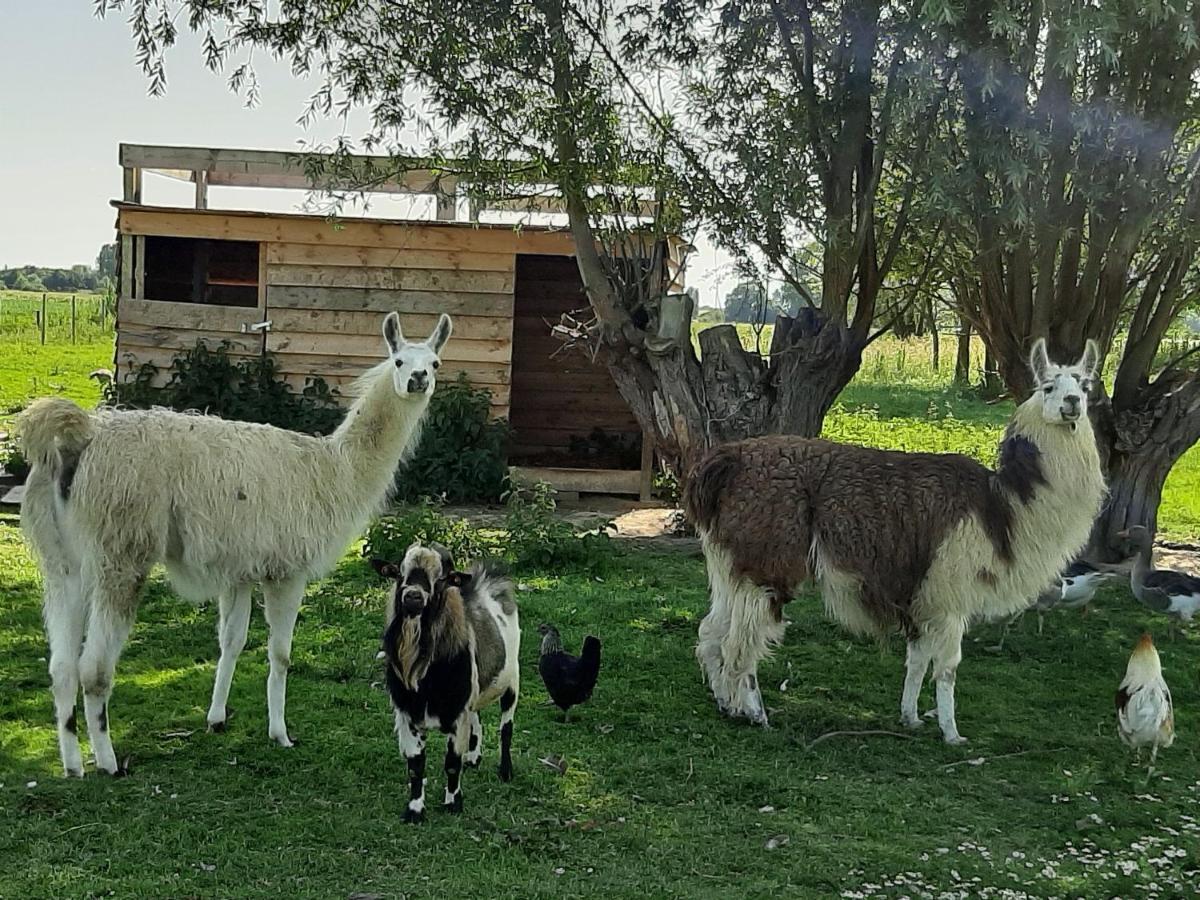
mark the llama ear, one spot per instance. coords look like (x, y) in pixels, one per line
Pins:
(385, 568)
(1090, 361)
(441, 334)
(1039, 361)
(392, 333)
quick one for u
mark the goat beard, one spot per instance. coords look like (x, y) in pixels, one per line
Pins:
(411, 669)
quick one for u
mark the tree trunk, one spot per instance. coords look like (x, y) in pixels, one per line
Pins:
(962, 358)
(937, 349)
(1139, 444)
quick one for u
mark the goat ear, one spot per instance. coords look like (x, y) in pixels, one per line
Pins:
(1090, 361)
(385, 568)
(392, 333)
(441, 334)
(1039, 361)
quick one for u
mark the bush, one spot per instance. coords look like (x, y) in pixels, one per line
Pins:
(391, 536)
(537, 539)
(249, 390)
(12, 459)
(462, 455)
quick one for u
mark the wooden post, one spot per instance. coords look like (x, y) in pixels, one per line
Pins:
(126, 289)
(72, 318)
(139, 268)
(647, 480)
(43, 321)
(133, 186)
(447, 199)
(201, 189)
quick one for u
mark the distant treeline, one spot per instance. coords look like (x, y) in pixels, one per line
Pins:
(98, 277)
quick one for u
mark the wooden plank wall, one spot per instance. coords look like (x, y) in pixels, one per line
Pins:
(556, 397)
(326, 287)
(326, 307)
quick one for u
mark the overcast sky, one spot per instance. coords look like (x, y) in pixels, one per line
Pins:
(71, 92)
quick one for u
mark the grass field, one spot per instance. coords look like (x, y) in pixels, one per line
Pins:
(661, 797)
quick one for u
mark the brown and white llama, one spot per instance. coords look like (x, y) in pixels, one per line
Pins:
(224, 505)
(921, 543)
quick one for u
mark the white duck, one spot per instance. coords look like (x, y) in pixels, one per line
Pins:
(1144, 714)
(1175, 594)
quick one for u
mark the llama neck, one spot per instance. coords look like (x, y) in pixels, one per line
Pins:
(379, 429)
(1052, 476)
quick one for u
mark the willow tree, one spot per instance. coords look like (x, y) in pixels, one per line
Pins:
(1073, 166)
(791, 135)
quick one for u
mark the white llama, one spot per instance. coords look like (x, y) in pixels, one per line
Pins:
(224, 505)
(920, 543)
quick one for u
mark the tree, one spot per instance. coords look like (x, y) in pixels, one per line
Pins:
(106, 261)
(745, 302)
(1073, 161)
(558, 90)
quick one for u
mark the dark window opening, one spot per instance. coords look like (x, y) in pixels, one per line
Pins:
(199, 270)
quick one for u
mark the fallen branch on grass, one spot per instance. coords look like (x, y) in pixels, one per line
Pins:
(980, 760)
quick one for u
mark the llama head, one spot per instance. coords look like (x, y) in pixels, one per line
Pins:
(416, 364)
(1063, 389)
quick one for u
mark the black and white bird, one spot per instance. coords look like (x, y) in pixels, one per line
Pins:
(1079, 584)
(1174, 594)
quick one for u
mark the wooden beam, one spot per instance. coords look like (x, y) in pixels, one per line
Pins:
(383, 278)
(447, 200)
(591, 481)
(647, 472)
(132, 187)
(383, 301)
(201, 189)
(373, 233)
(389, 257)
(139, 267)
(126, 268)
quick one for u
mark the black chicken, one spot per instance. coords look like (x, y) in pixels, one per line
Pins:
(568, 679)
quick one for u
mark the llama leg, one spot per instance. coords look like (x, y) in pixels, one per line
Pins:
(508, 709)
(412, 747)
(947, 655)
(756, 624)
(231, 632)
(64, 615)
(112, 610)
(916, 666)
(281, 606)
(475, 748)
(714, 627)
(456, 746)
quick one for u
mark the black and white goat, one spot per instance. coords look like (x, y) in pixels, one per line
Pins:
(452, 644)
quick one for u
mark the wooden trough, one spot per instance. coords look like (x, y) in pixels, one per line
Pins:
(312, 293)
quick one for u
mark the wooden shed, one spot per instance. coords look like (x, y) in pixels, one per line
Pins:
(312, 292)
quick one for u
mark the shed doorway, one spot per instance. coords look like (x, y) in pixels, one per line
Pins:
(570, 425)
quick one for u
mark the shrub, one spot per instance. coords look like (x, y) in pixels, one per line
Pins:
(391, 536)
(249, 390)
(12, 459)
(536, 538)
(462, 454)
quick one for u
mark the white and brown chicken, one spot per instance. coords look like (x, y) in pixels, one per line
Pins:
(1144, 714)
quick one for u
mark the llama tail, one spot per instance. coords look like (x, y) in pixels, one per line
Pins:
(707, 482)
(54, 432)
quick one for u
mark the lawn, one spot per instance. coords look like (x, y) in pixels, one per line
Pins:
(661, 796)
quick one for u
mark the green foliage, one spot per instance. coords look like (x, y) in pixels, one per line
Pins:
(249, 390)
(537, 538)
(39, 278)
(390, 536)
(462, 453)
(12, 460)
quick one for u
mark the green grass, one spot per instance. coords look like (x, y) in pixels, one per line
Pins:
(661, 796)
